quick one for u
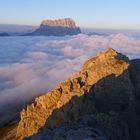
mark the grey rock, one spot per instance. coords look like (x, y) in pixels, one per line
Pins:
(72, 132)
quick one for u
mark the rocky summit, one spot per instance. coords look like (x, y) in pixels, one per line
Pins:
(58, 27)
(101, 102)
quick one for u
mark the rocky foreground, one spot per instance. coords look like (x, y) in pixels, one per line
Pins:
(101, 102)
(58, 27)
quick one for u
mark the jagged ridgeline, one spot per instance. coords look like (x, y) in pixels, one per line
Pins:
(98, 103)
(58, 27)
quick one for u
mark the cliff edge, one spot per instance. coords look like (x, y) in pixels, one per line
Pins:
(101, 90)
(97, 103)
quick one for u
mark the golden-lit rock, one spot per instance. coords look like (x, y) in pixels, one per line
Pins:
(66, 22)
(79, 86)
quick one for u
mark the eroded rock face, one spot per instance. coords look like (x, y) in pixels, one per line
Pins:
(66, 22)
(59, 27)
(103, 85)
(135, 76)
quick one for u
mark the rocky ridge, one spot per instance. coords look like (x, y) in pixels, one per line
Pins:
(97, 103)
(101, 88)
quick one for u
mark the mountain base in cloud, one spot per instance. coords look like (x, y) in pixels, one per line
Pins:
(59, 27)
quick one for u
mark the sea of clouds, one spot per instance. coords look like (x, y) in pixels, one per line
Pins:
(30, 66)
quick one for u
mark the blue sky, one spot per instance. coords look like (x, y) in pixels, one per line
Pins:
(116, 14)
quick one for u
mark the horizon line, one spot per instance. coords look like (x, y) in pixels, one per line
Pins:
(83, 27)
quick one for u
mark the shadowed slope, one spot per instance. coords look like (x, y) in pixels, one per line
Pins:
(81, 118)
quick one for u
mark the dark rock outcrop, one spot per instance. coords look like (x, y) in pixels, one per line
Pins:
(134, 70)
(60, 27)
(88, 127)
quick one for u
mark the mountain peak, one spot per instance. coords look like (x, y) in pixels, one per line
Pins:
(53, 108)
(58, 27)
(98, 102)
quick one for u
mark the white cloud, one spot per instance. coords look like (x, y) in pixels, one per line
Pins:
(30, 66)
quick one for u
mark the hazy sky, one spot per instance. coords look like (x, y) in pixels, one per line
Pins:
(87, 13)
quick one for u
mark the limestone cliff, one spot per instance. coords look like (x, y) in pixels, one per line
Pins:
(103, 85)
(58, 27)
(99, 102)
(66, 22)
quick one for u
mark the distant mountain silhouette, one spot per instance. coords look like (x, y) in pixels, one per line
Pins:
(4, 34)
(14, 29)
(59, 27)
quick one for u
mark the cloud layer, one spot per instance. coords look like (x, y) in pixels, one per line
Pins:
(30, 66)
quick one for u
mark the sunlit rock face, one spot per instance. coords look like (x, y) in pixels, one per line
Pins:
(66, 22)
(100, 97)
(99, 102)
(59, 27)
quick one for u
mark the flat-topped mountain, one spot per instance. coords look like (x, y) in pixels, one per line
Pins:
(100, 102)
(58, 27)
(66, 22)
